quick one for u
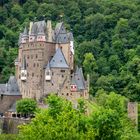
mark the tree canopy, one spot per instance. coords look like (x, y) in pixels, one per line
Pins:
(101, 119)
(26, 106)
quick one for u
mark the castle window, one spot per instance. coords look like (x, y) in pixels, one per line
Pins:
(62, 76)
(62, 70)
(32, 74)
(52, 84)
(70, 93)
(67, 94)
(62, 93)
(36, 55)
(37, 65)
(28, 57)
(34, 64)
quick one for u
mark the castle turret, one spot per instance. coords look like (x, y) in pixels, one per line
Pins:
(49, 31)
(32, 31)
(24, 36)
(41, 34)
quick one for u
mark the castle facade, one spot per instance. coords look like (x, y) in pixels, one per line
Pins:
(45, 63)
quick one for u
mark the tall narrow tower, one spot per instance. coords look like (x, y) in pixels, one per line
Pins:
(35, 51)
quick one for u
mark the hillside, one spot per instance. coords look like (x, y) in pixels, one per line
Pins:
(107, 38)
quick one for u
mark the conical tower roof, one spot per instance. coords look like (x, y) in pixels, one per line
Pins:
(59, 61)
(25, 33)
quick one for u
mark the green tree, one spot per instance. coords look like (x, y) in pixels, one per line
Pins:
(26, 106)
(105, 120)
(89, 63)
(65, 123)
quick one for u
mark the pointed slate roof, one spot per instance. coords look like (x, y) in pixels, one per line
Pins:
(11, 88)
(38, 27)
(78, 79)
(41, 30)
(19, 40)
(34, 29)
(70, 36)
(41, 27)
(58, 60)
(58, 27)
(25, 33)
(73, 81)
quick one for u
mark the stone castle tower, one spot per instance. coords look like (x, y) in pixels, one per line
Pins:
(45, 63)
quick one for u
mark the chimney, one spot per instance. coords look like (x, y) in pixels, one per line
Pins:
(49, 30)
(30, 28)
(88, 82)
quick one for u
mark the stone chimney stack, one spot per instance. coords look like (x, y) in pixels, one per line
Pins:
(132, 109)
(88, 82)
(49, 30)
(30, 28)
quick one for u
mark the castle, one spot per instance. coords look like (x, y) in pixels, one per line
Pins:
(45, 64)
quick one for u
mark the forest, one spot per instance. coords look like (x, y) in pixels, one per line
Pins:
(106, 32)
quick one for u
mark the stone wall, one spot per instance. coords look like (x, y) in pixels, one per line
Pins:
(6, 101)
(10, 125)
(37, 55)
(1, 125)
(132, 108)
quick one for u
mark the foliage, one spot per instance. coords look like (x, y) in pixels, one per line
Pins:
(8, 136)
(26, 106)
(63, 123)
(104, 121)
